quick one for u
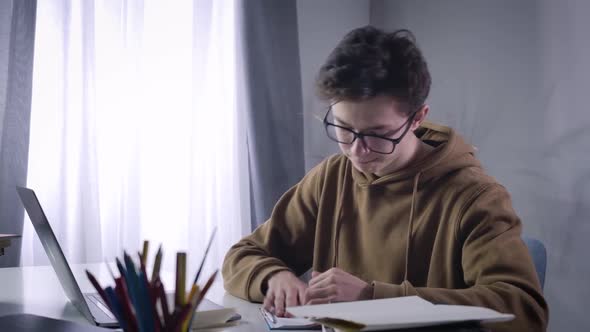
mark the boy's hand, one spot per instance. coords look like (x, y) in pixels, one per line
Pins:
(336, 285)
(284, 289)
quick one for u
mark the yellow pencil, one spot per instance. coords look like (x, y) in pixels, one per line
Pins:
(194, 292)
(180, 280)
(191, 301)
(144, 253)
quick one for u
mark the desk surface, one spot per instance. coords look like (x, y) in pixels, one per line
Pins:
(36, 290)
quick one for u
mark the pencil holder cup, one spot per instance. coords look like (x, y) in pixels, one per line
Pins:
(139, 301)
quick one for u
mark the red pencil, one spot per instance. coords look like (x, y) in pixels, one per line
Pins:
(123, 295)
(163, 301)
(98, 288)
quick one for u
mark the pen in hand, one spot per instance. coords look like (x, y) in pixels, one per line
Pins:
(269, 315)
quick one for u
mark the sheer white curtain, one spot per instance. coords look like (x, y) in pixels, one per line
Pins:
(135, 128)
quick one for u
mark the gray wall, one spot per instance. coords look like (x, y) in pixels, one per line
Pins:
(512, 77)
(321, 24)
(557, 198)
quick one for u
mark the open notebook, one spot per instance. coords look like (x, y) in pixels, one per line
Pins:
(281, 323)
(387, 314)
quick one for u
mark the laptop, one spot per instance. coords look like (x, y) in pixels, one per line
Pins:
(90, 305)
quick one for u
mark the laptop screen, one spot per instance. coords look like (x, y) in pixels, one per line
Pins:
(53, 250)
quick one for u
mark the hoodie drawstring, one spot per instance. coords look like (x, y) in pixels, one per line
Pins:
(339, 216)
(413, 207)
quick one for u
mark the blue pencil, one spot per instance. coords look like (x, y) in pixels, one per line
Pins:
(132, 287)
(116, 306)
(150, 300)
(145, 302)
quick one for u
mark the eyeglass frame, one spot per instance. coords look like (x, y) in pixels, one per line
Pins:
(356, 134)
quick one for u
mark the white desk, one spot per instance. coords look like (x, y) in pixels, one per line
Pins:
(36, 290)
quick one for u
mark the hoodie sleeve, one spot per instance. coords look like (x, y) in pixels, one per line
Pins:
(284, 242)
(496, 264)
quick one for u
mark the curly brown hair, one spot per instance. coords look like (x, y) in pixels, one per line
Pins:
(369, 62)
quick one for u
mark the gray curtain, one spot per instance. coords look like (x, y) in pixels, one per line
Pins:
(16, 73)
(274, 106)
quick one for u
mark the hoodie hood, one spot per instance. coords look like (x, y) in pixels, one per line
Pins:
(451, 153)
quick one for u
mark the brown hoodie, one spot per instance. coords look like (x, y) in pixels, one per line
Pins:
(441, 229)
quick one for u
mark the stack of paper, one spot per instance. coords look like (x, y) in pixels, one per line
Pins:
(394, 313)
(210, 314)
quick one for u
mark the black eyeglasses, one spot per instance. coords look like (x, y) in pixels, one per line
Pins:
(375, 143)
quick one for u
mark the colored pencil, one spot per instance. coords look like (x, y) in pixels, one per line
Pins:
(205, 255)
(157, 264)
(179, 298)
